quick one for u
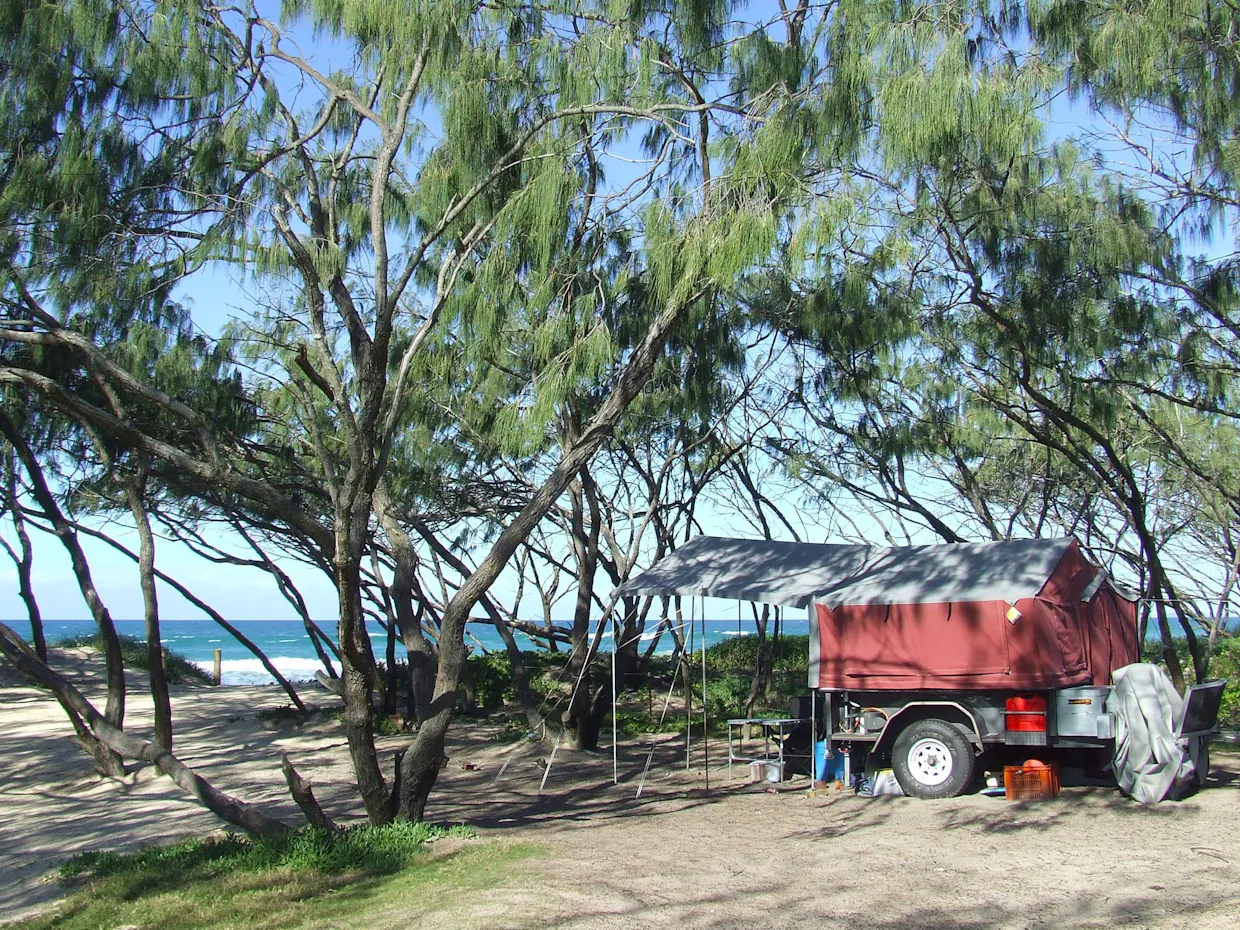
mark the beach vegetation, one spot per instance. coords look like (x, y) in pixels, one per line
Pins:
(179, 669)
(354, 878)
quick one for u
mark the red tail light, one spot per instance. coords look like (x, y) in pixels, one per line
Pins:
(1026, 713)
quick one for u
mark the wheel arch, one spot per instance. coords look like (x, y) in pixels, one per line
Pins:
(949, 711)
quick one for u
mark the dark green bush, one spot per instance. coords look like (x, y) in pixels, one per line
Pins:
(740, 653)
(363, 848)
(178, 669)
(1226, 664)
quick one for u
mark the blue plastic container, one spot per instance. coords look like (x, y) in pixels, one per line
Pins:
(828, 768)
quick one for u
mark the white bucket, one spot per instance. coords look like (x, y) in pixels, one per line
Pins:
(760, 770)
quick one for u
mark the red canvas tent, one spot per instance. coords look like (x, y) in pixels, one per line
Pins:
(1075, 629)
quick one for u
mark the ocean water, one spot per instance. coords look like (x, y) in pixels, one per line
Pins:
(288, 647)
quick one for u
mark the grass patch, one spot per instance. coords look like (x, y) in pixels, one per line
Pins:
(642, 723)
(364, 877)
(364, 848)
(512, 730)
(290, 714)
(178, 669)
(382, 723)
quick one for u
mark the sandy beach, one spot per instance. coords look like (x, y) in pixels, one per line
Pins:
(737, 856)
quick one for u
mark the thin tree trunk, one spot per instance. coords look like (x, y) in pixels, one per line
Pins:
(585, 551)
(761, 671)
(389, 653)
(25, 564)
(520, 674)
(357, 678)
(210, 612)
(392, 692)
(114, 709)
(134, 492)
(425, 757)
(421, 656)
(773, 655)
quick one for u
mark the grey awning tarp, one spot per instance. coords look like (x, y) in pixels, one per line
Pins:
(759, 570)
(794, 574)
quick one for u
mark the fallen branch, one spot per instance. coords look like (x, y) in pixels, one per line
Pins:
(302, 793)
(334, 685)
(239, 813)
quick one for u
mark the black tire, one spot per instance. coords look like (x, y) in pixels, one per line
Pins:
(932, 759)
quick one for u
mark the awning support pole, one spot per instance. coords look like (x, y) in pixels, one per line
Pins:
(667, 703)
(615, 759)
(705, 731)
(813, 721)
(688, 660)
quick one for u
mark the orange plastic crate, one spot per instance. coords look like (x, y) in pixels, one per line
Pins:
(1031, 783)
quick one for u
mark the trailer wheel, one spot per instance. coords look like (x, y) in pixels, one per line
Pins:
(932, 759)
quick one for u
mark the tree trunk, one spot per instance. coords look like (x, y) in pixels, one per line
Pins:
(421, 764)
(421, 656)
(391, 683)
(114, 709)
(25, 564)
(134, 492)
(520, 675)
(772, 656)
(585, 550)
(762, 670)
(391, 693)
(357, 689)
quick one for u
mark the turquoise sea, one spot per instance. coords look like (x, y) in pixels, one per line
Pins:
(288, 647)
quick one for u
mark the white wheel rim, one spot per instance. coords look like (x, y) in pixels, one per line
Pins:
(930, 761)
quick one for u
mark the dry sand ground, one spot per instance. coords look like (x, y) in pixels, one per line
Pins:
(736, 857)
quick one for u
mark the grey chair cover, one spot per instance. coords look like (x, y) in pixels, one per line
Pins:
(1152, 762)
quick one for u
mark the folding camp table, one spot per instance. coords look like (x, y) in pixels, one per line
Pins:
(775, 733)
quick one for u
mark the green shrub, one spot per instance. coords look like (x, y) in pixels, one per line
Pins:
(489, 676)
(726, 695)
(362, 848)
(640, 723)
(178, 669)
(1226, 664)
(740, 653)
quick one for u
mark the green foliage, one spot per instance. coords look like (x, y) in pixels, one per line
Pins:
(1226, 664)
(490, 679)
(740, 654)
(726, 695)
(362, 848)
(355, 879)
(639, 722)
(179, 670)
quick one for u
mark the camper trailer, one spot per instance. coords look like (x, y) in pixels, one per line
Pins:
(924, 657)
